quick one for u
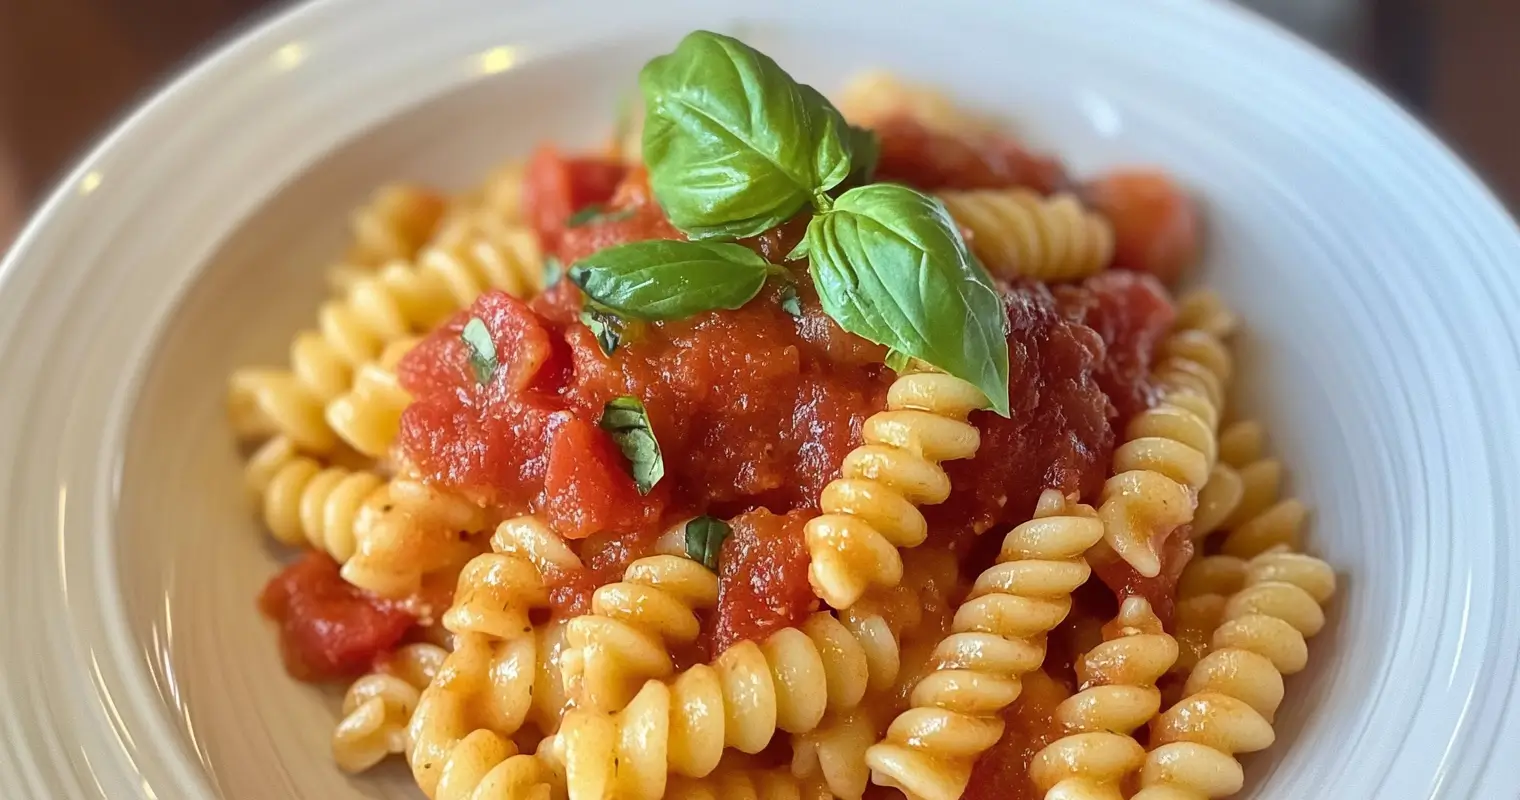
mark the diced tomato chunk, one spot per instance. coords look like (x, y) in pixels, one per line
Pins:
(633, 216)
(921, 157)
(763, 581)
(444, 364)
(1132, 312)
(555, 188)
(1156, 225)
(588, 485)
(329, 629)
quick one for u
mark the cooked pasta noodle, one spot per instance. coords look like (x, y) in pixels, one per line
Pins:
(378, 707)
(1018, 233)
(874, 97)
(1234, 691)
(1261, 520)
(624, 640)
(417, 530)
(304, 503)
(394, 224)
(368, 416)
(835, 753)
(1118, 695)
(479, 252)
(1169, 451)
(999, 634)
(871, 510)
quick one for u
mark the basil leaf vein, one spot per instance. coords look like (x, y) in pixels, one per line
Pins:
(890, 266)
(477, 339)
(733, 144)
(704, 540)
(626, 421)
(666, 279)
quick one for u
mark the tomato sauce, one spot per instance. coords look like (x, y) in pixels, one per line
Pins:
(763, 583)
(1002, 773)
(1132, 313)
(1156, 225)
(329, 629)
(919, 156)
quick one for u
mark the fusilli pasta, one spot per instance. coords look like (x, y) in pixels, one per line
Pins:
(874, 97)
(1233, 692)
(418, 530)
(1169, 451)
(1018, 233)
(368, 416)
(304, 503)
(998, 635)
(871, 510)
(1118, 695)
(378, 707)
(1261, 520)
(623, 641)
(394, 224)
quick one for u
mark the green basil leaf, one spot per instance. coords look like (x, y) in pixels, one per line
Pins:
(665, 279)
(596, 213)
(553, 271)
(482, 350)
(734, 145)
(704, 540)
(896, 361)
(891, 267)
(605, 327)
(626, 421)
(790, 302)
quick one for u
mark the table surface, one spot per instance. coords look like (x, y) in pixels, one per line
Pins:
(69, 67)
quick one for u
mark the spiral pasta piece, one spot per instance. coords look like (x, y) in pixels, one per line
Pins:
(1233, 692)
(303, 503)
(1118, 695)
(871, 510)
(1019, 233)
(417, 530)
(998, 635)
(481, 251)
(488, 682)
(625, 639)
(1169, 452)
(1262, 519)
(368, 416)
(876, 96)
(378, 707)
(394, 224)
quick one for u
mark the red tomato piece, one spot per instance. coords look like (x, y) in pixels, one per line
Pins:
(763, 581)
(1156, 224)
(442, 362)
(1132, 312)
(555, 188)
(914, 154)
(588, 485)
(329, 629)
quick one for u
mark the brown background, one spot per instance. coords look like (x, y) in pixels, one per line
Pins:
(69, 67)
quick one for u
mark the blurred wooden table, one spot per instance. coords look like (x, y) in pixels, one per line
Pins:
(69, 67)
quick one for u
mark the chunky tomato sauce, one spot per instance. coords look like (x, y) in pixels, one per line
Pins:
(1002, 773)
(328, 628)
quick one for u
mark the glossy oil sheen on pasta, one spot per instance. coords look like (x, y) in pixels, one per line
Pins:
(797, 561)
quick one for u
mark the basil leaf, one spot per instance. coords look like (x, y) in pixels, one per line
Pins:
(482, 350)
(896, 361)
(704, 540)
(626, 421)
(665, 279)
(733, 144)
(596, 213)
(605, 327)
(891, 267)
(553, 271)
(790, 302)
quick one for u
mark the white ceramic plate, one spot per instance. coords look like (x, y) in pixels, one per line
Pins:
(1377, 276)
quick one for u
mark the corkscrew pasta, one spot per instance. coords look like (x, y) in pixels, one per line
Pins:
(998, 636)
(871, 510)
(655, 541)
(1019, 234)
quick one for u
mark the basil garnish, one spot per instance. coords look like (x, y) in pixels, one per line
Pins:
(665, 279)
(704, 540)
(553, 271)
(891, 267)
(865, 151)
(734, 146)
(482, 350)
(596, 213)
(790, 302)
(605, 327)
(625, 420)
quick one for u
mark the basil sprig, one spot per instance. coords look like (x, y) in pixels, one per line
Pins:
(665, 279)
(891, 267)
(626, 421)
(482, 355)
(734, 146)
(704, 540)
